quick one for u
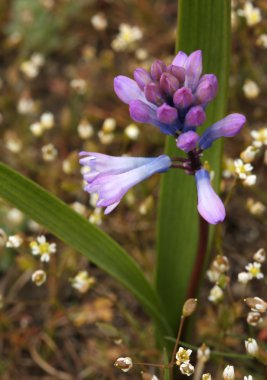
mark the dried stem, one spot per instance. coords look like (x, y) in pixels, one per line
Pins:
(176, 344)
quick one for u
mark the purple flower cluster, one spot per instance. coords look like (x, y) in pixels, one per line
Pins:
(174, 99)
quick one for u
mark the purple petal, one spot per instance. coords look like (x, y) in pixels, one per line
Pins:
(111, 188)
(195, 117)
(187, 141)
(142, 77)
(193, 69)
(227, 127)
(157, 68)
(180, 59)
(183, 97)
(209, 205)
(153, 93)
(127, 89)
(167, 114)
(177, 72)
(169, 84)
(207, 89)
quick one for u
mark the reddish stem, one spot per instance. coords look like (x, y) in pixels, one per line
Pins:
(200, 258)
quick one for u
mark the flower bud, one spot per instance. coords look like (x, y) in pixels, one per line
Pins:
(256, 304)
(187, 141)
(177, 72)
(254, 318)
(142, 77)
(169, 84)
(206, 376)
(249, 154)
(148, 376)
(203, 353)
(153, 93)
(183, 97)
(189, 307)
(39, 277)
(221, 264)
(251, 346)
(157, 68)
(125, 364)
(187, 369)
(229, 373)
(260, 256)
(206, 89)
(195, 117)
(166, 114)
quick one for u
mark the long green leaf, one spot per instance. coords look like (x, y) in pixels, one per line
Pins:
(205, 25)
(84, 237)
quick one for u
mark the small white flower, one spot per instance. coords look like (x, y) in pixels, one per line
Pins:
(82, 281)
(252, 14)
(183, 356)
(259, 137)
(244, 277)
(39, 277)
(206, 376)
(132, 131)
(250, 180)
(254, 318)
(249, 154)
(242, 169)
(213, 275)
(229, 373)
(187, 369)
(216, 294)
(47, 120)
(255, 208)
(262, 40)
(26, 106)
(99, 21)
(79, 85)
(14, 241)
(127, 37)
(42, 248)
(251, 346)
(249, 377)
(49, 152)
(109, 125)
(260, 255)
(85, 129)
(36, 129)
(254, 269)
(251, 89)
(125, 364)
(79, 208)
(105, 138)
(29, 69)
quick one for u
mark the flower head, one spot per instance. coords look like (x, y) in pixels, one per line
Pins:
(251, 346)
(39, 277)
(183, 356)
(82, 281)
(124, 363)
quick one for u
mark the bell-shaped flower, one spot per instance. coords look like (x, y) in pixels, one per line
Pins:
(227, 127)
(209, 205)
(113, 180)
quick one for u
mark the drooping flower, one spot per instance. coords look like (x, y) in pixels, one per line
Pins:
(111, 177)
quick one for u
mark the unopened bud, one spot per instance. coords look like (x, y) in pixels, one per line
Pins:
(256, 304)
(169, 84)
(229, 373)
(177, 72)
(183, 97)
(203, 353)
(153, 93)
(249, 154)
(189, 307)
(254, 318)
(157, 68)
(221, 264)
(207, 89)
(166, 114)
(260, 256)
(187, 141)
(142, 77)
(125, 364)
(206, 376)
(187, 369)
(195, 117)
(251, 346)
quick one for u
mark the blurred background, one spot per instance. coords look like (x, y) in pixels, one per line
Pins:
(61, 317)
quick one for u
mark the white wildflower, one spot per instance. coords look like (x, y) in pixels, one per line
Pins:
(251, 89)
(259, 137)
(260, 255)
(82, 281)
(40, 247)
(250, 13)
(125, 364)
(249, 154)
(250, 180)
(126, 38)
(36, 129)
(47, 120)
(187, 369)
(99, 21)
(85, 129)
(39, 277)
(254, 269)
(216, 294)
(229, 373)
(242, 169)
(183, 356)
(49, 152)
(251, 346)
(244, 277)
(132, 131)
(14, 241)
(262, 40)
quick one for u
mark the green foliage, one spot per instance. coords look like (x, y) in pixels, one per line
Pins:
(84, 237)
(39, 28)
(205, 25)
